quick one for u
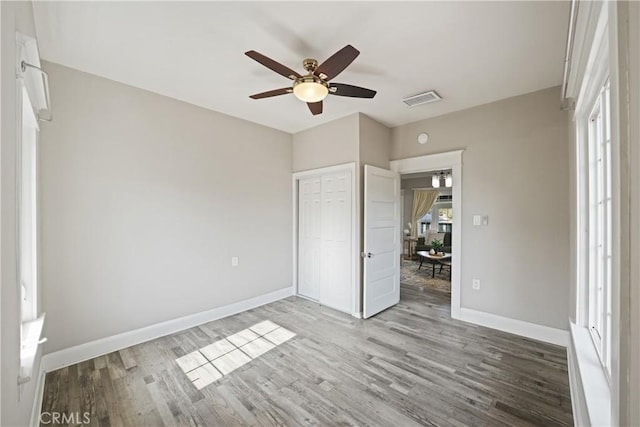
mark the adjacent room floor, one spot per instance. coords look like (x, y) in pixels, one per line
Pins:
(295, 363)
(427, 278)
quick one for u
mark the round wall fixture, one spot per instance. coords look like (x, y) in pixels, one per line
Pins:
(423, 138)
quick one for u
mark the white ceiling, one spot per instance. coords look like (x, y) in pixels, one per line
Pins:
(470, 52)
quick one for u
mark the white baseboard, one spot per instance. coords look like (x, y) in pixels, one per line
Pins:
(72, 355)
(518, 327)
(37, 399)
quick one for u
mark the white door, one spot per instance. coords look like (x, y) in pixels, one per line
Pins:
(382, 243)
(336, 251)
(309, 232)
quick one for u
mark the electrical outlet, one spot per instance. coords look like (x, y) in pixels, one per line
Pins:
(475, 284)
(234, 261)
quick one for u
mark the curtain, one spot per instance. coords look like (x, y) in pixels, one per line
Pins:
(423, 200)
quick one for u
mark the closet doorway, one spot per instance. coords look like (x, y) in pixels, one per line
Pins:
(325, 252)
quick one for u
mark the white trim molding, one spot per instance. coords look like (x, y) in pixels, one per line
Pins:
(72, 355)
(514, 326)
(38, 397)
(449, 160)
(590, 391)
(578, 402)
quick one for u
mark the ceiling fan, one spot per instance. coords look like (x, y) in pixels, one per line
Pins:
(313, 87)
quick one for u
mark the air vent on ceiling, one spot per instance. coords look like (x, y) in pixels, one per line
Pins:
(422, 98)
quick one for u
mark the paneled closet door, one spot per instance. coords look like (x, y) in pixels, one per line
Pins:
(336, 241)
(309, 234)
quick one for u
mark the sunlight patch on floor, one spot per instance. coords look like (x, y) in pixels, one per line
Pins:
(212, 362)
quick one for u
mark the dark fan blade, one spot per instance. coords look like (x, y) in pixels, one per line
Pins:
(337, 63)
(315, 107)
(342, 89)
(273, 65)
(270, 93)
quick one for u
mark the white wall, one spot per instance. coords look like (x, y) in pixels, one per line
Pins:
(514, 170)
(16, 406)
(145, 199)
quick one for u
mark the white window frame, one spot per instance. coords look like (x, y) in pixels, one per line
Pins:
(600, 51)
(597, 355)
(27, 155)
(30, 96)
(589, 105)
(600, 232)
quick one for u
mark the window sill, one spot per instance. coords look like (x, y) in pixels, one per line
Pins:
(30, 339)
(595, 387)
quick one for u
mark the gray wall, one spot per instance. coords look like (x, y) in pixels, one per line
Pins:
(16, 406)
(328, 144)
(354, 138)
(374, 148)
(374, 142)
(514, 170)
(145, 199)
(633, 394)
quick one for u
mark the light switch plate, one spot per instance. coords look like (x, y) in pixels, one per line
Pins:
(485, 220)
(477, 220)
(234, 261)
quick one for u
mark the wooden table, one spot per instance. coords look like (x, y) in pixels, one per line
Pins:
(433, 260)
(409, 242)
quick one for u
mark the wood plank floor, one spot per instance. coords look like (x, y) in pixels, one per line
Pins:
(410, 365)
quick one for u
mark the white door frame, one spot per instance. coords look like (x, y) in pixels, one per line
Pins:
(355, 271)
(449, 160)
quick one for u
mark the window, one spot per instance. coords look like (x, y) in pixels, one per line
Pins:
(26, 165)
(445, 219)
(27, 235)
(424, 222)
(594, 340)
(445, 214)
(600, 225)
(32, 100)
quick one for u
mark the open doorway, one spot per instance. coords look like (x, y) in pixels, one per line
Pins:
(446, 217)
(427, 220)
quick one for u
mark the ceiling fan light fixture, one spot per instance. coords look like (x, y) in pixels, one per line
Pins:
(310, 89)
